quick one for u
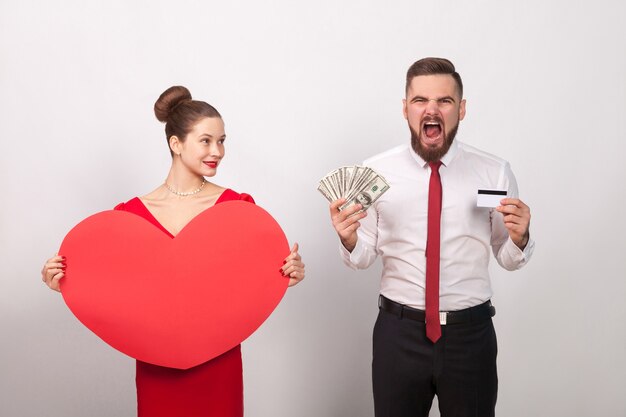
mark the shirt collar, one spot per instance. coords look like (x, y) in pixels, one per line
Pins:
(447, 158)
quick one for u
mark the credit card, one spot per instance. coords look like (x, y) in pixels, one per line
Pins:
(489, 198)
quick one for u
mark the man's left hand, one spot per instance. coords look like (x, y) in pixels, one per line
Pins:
(516, 217)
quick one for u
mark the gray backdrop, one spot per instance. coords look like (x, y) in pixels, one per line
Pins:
(305, 87)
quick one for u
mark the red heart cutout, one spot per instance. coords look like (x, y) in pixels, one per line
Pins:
(175, 302)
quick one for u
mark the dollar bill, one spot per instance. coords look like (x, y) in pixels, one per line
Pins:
(324, 190)
(369, 194)
(357, 184)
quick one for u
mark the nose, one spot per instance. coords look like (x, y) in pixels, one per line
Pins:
(215, 149)
(432, 107)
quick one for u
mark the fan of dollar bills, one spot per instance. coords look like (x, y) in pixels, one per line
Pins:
(356, 184)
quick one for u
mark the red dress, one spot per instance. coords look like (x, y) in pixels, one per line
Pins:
(212, 389)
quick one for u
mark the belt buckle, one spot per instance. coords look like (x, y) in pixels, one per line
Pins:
(443, 317)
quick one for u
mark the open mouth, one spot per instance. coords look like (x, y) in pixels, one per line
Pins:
(432, 130)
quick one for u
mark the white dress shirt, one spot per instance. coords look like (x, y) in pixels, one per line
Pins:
(396, 225)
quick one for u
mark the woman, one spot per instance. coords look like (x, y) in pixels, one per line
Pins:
(195, 134)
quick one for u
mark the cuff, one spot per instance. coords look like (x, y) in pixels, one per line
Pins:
(518, 256)
(352, 258)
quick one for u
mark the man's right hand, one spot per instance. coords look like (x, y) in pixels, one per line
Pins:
(346, 222)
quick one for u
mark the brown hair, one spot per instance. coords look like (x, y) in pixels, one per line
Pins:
(433, 66)
(180, 113)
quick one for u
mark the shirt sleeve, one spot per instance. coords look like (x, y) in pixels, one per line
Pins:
(507, 253)
(246, 197)
(365, 252)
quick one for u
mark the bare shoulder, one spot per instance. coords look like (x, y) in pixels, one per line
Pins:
(210, 194)
(155, 198)
(215, 189)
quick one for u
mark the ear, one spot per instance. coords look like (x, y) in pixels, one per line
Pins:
(175, 145)
(404, 109)
(462, 110)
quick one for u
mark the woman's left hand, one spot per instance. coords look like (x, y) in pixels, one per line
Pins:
(293, 267)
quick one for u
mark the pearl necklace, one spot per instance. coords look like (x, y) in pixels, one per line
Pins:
(178, 193)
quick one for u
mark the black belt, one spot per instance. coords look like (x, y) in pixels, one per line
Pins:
(477, 313)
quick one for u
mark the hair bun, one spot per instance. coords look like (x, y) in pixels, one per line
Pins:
(169, 99)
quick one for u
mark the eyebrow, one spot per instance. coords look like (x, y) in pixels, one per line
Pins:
(415, 98)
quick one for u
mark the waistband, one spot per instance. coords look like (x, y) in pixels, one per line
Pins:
(477, 313)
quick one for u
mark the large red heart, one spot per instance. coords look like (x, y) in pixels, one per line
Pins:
(175, 302)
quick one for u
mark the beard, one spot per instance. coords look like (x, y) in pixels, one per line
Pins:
(432, 154)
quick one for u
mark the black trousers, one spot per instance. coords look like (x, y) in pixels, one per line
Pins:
(408, 370)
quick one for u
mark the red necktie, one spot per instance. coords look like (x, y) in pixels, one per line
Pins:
(433, 246)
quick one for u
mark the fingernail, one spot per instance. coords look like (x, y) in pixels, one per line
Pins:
(281, 271)
(284, 262)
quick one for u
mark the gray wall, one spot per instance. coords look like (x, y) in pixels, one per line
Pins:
(305, 87)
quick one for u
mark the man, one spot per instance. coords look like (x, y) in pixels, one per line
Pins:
(434, 334)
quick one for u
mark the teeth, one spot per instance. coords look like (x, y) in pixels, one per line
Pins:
(432, 123)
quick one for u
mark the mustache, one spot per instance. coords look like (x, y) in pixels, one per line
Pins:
(427, 119)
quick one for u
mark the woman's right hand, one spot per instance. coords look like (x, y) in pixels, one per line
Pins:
(52, 271)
